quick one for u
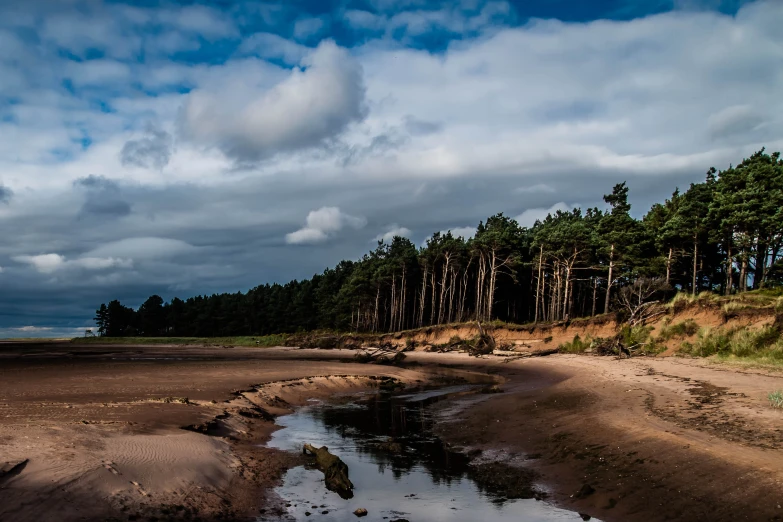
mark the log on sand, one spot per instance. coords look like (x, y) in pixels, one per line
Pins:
(335, 470)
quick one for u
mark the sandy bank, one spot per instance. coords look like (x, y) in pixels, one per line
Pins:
(652, 438)
(98, 438)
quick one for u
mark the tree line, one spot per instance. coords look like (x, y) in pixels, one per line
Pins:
(723, 235)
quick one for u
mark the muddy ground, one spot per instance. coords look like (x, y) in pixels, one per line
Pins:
(97, 432)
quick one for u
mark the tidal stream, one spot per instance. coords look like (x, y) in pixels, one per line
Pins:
(400, 470)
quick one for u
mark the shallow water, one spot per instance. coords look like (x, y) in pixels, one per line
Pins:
(419, 481)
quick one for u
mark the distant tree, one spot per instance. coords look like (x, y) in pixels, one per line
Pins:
(101, 319)
(152, 319)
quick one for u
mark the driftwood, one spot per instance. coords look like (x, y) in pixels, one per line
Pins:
(380, 355)
(335, 470)
(483, 345)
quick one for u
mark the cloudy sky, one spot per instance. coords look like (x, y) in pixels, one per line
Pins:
(187, 148)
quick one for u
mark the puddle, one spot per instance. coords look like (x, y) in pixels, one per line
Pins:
(415, 479)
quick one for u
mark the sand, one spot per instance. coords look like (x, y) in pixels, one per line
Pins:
(96, 433)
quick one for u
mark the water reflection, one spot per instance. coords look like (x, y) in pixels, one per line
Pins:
(399, 469)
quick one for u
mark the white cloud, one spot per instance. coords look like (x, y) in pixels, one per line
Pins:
(44, 263)
(307, 27)
(464, 232)
(51, 263)
(529, 217)
(322, 224)
(142, 248)
(538, 188)
(275, 47)
(310, 106)
(394, 230)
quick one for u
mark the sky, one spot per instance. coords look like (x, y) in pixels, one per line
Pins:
(186, 148)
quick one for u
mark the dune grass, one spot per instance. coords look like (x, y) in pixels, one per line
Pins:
(776, 398)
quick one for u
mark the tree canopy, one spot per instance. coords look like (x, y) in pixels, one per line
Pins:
(724, 235)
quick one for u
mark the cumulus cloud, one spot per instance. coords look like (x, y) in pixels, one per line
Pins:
(50, 263)
(153, 150)
(44, 263)
(529, 217)
(394, 230)
(315, 103)
(323, 223)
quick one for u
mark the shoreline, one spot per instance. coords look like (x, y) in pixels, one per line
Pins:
(639, 439)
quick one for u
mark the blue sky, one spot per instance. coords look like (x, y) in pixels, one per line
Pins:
(186, 148)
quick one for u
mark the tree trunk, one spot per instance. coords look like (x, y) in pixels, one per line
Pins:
(423, 295)
(609, 281)
(761, 261)
(432, 283)
(492, 279)
(595, 291)
(669, 266)
(744, 273)
(538, 281)
(375, 317)
(729, 267)
(695, 259)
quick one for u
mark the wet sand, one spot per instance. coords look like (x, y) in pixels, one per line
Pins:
(96, 432)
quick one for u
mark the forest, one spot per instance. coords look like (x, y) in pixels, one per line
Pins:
(722, 235)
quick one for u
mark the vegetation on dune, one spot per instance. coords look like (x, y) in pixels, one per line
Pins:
(763, 345)
(776, 398)
(717, 238)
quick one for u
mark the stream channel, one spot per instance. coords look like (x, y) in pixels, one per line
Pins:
(400, 470)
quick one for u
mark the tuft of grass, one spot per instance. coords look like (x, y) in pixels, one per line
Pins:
(776, 398)
(577, 345)
(681, 300)
(779, 305)
(685, 328)
(710, 342)
(763, 345)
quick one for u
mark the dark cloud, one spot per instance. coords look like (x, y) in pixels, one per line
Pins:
(380, 144)
(5, 194)
(153, 151)
(103, 197)
(96, 183)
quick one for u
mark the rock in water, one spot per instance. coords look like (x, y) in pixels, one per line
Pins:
(335, 470)
(361, 512)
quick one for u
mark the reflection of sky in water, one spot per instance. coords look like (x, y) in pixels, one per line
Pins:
(377, 489)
